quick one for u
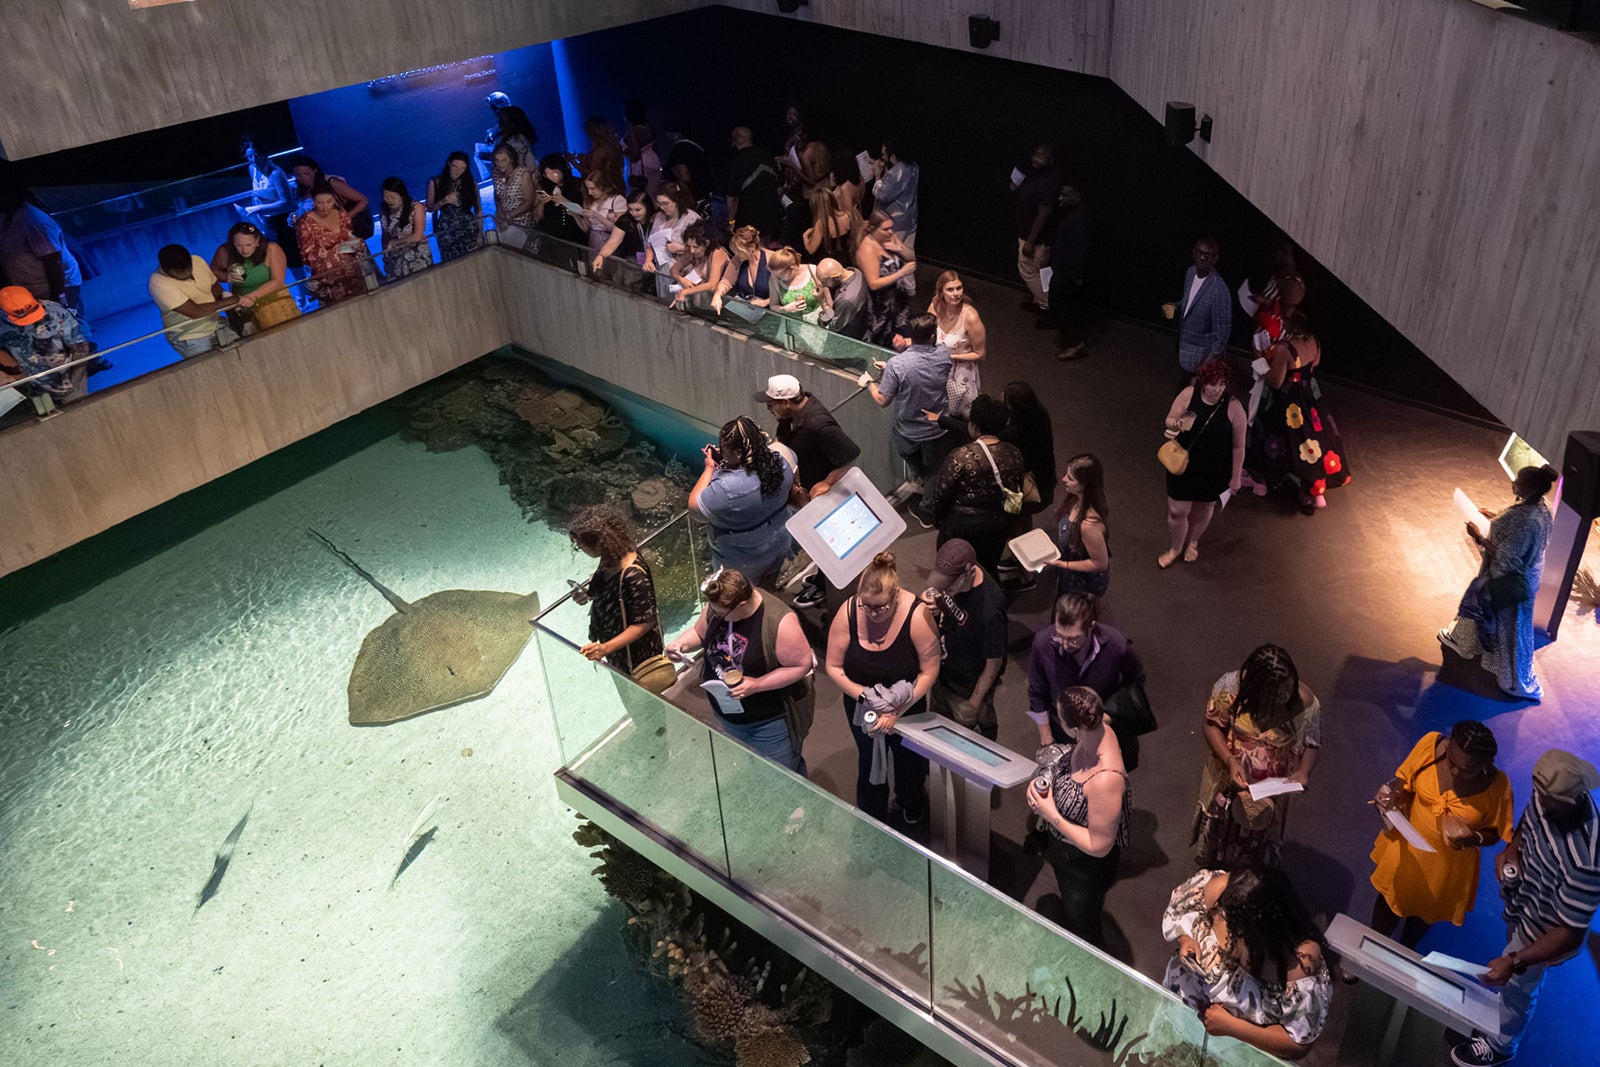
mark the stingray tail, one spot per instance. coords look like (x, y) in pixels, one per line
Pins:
(388, 594)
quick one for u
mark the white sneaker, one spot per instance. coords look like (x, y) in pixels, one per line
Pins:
(1448, 641)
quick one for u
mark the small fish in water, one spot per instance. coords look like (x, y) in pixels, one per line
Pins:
(224, 857)
(411, 843)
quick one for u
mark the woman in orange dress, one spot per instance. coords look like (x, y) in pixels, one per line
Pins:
(322, 232)
(1451, 791)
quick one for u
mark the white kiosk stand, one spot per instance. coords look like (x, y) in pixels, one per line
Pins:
(964, 770)
(1421, 1002)
(845, 527)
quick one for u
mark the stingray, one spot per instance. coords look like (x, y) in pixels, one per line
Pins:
(445, 649)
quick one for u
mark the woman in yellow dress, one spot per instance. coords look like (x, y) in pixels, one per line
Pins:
(1451, 791)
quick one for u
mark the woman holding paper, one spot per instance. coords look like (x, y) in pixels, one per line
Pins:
(1450, 791)
(1495, 621)
(756, 649)
(1261, 723)
(1081, 534)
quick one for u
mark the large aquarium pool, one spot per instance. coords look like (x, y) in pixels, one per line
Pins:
(176, 692)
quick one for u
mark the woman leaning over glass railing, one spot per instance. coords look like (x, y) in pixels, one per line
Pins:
(253, 266)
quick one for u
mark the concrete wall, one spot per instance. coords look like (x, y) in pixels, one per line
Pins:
(77, 72)
(118, 453)
(1439, 156)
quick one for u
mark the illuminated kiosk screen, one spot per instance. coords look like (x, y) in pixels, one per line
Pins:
(966, 746)
(845, 527)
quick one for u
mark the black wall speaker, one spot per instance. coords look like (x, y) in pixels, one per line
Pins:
(1580, 473)
(1180, 123)
(982, 31)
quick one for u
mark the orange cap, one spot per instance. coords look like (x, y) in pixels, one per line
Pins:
(20, 306)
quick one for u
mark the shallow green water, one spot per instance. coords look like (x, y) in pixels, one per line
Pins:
(190, 666)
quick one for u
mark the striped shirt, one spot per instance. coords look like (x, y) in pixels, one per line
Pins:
(1560, 873)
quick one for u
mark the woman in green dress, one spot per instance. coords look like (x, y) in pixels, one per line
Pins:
(253, 268)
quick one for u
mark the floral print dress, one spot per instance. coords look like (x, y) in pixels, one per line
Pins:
(1221, 839)
(1294, 438)
(1300, 1006)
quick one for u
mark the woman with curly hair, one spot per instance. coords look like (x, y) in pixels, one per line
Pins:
(624, 629)
(1210, 424)
(743, 493)
(1249, 959)
(1261, 722)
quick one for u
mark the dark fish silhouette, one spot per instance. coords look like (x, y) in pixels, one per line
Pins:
(224, 857)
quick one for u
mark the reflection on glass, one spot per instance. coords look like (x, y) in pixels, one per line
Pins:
(826, 866)
(1023, 986)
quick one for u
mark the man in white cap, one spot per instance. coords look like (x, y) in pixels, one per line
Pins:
(822, 452)
(1550, 879)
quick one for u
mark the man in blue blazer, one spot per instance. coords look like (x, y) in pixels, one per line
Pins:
(1204, 311)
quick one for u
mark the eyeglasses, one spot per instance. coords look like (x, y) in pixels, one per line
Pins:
(877, 611)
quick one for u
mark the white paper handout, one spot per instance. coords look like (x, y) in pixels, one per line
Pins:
(1407, 831)
(1045, 274)
(1016, 177)
(1271, 787)
(794, 157)
(1451, 963)
(864, 165)
(717, 690)
(1469, 511)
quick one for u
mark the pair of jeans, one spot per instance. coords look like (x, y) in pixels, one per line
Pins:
(192, 346)
(770, 739)
(910, 773)
(1518, 997)
(1083, 881)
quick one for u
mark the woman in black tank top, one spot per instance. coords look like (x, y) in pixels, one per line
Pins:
(883, 637)
(756, 647)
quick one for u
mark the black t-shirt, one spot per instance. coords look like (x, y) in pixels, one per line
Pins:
(737, 646)
(982, 637)
(558, 221)
(753, 178)
(1039, 189)
(820, 444)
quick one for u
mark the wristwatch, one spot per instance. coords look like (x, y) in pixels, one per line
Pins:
(1517, 966)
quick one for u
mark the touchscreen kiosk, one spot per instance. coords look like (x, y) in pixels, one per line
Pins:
(842, 529)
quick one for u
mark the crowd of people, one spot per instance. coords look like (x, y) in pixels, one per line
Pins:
(1247, 954)
(828, 240)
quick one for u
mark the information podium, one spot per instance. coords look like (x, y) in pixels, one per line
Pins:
(842, 529)
(964, 770)
(1404, 1005)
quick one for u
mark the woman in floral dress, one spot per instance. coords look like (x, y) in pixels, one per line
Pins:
(1249, 959)
(321, 233)
(457, 210)
(1261, 722)
(1294, 438)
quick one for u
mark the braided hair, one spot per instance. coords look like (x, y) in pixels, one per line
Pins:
(1267, 675)
(1262, 909)
(745, 446)
(1474, 739)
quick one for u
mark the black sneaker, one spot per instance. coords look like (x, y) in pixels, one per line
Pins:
(809, 596)
(1478, 1053)
(924, 517)
(913, 815)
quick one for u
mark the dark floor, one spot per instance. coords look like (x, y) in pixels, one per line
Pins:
(1355, 593)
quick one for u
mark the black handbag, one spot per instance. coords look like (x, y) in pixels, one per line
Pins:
(1130, 708)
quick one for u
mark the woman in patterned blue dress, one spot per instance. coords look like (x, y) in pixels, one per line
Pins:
(453, 199)
(1495, 623)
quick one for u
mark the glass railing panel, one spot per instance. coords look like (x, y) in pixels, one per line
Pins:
(826, 866)
(799, 334)
(1041, 996)
(649, 757)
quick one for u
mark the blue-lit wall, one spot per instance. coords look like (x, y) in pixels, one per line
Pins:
(407, 124)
